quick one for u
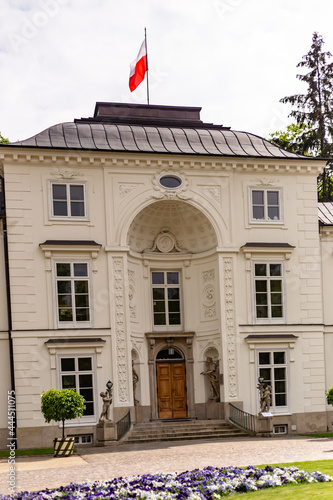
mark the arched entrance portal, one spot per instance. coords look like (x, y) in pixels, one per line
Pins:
(164, 238)
(171, 383)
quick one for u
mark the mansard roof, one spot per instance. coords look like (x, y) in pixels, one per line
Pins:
(138, 128)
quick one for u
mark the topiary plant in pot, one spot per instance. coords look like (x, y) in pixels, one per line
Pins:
(61, 405)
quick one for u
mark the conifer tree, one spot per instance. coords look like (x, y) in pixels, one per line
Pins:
(315, 109)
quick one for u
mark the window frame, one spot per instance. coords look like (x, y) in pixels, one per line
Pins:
(85, 419)
(268, 279)
(265, 220)
(167, 327)
(52, 216)
(74, 323)
(275, 409)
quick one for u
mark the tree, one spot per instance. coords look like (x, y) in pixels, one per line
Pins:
(329, 396)
(3, 139)
(315, 108)
(61, 405)
(296, 138)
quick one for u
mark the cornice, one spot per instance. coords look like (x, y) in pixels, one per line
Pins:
(155, 161)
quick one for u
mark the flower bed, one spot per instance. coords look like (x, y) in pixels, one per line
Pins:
(210, 483)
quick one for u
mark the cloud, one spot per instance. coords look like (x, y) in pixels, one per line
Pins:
(234, 58)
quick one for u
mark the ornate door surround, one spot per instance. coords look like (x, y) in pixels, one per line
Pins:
(182, 341)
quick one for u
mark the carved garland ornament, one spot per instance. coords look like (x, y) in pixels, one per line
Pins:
(230, 324)
(126, 188)
(131, 294)
(65, 173)
(213, 192)
(122, 362)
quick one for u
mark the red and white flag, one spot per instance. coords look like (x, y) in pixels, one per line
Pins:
(138, 68)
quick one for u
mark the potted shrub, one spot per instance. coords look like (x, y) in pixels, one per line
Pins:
(329, 396)
(60, 405)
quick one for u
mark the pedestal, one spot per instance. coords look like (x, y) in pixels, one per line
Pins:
(264, 425)
(106, 433)
(212, 408)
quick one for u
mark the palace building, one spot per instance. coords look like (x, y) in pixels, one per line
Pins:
(142, 240)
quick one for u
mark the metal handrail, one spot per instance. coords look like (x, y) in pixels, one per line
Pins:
(242, 418)
(123, 425)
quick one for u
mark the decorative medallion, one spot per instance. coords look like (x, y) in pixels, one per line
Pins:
(165, 242)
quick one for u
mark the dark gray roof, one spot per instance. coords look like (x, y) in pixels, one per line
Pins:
(325, 213)
(155, 139)
(139, 128)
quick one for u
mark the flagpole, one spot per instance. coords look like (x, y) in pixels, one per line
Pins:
(147, 67)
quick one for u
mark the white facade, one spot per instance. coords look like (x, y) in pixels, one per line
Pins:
(226, 262)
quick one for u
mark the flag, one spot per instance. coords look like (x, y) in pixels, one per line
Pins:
(138, 68)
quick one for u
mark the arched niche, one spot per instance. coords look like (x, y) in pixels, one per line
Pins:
(190, 229)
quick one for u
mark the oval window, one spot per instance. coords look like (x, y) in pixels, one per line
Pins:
(170, 181)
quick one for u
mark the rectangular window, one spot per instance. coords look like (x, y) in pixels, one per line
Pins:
(77, 373)
(72, 291)
(268, 291)
(166, 299)
(68, 200)
(273, 369)
(265, 205)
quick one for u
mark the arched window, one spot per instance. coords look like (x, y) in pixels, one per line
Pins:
(169, 353)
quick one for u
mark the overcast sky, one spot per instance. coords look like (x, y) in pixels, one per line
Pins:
(234, 58)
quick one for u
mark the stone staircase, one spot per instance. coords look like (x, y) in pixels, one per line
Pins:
(181, 430)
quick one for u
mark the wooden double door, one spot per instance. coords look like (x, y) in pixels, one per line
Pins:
(171, 389)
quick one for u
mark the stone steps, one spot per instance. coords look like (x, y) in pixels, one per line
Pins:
(182, 431)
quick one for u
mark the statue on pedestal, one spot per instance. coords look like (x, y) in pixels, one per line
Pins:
(135, 377)
(265, 396)
(213, 378)
(107, 400)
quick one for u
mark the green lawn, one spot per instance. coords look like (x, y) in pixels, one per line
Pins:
(22, 453)
(298, 492)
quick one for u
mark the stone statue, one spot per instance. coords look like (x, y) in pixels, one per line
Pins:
(213, 378)
(265, 397)
(107, 400)
(135, 377)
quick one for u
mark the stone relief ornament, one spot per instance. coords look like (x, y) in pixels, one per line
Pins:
(165, 242)
(65, 173)
(208, 297)
(126, 188)
(213, 192)
(262, 181)
(208, 275)
(131, 294)
(170, 193)
(230, 326)
(120, 330)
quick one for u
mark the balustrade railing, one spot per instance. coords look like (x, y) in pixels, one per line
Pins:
(242, 418)
(123, 425)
